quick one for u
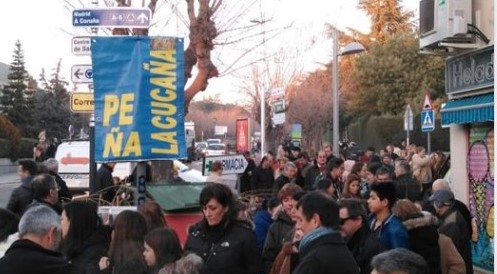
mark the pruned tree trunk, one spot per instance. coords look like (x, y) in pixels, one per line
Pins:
(198, 53)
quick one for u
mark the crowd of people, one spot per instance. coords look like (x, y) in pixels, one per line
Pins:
(385, 212)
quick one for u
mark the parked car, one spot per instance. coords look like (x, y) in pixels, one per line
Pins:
(213, 141)
(215, 150)
(200, 148)
(188, 174)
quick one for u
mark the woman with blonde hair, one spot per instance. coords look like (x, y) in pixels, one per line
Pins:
(437, 249)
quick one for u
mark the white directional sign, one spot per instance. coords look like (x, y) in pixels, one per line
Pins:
(117, 17)
(81, 74)
(232, 164)
(278, 118)
(81, 45)
(427, 120)
(408, 119)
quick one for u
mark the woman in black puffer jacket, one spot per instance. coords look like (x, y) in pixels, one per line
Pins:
(226, 245)
(423, 233)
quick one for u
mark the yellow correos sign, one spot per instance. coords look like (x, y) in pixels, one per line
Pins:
(82, 102)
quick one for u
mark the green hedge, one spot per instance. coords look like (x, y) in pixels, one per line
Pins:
(26, 148)
(378, 131)
(5, 148)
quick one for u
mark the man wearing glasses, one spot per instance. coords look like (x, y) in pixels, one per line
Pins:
(362, 243)
(45, 192)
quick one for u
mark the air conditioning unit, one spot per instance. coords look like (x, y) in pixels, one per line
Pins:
(443, 23)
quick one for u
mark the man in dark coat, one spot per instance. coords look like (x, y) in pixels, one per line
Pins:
(21, 197)
(262, 176)
(53, 169)
(247, 174)
(45, 192)
(104, 181)
(316, 172)
(453, 225)
(406, 186)
(35, 251)
(363, 244)
(322, 249)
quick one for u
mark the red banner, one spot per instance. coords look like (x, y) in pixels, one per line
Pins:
(242, 135)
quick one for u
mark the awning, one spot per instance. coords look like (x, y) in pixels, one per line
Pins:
(473, 109)
(176, 196)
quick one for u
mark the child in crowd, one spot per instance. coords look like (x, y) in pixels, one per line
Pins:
(163, 254)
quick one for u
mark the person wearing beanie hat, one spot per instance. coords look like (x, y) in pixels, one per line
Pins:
(452, 224)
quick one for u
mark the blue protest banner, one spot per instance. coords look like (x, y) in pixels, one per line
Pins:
(139, 98)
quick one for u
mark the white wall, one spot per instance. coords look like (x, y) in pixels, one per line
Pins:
(459, 182)
(483, 17)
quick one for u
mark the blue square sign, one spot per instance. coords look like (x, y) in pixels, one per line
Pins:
(427, 120)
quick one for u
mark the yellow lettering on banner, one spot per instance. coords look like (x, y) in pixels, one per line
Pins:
(113, 142)
(164, 55)
(166, 137)
(169, 122)
(133, 145)
(165, 82)
(162, 107)
(168, 97)
(111, 106)
(161, 68)
(126, 107)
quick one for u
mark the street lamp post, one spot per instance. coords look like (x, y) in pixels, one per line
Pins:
(350, 48)
(261, 22)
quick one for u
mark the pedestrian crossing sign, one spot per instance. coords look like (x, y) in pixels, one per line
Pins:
(427, 120)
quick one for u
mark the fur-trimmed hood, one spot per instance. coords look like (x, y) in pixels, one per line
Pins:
(427, 219)
(188, 264)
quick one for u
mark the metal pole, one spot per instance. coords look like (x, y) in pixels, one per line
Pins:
(428, 141)
(93, 165)
(336, 126)
(141, 172)
(263, 121)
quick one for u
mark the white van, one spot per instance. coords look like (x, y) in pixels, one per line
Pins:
(74, 166)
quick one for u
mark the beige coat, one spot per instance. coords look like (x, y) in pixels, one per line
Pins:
(421, 168)
(451, 261)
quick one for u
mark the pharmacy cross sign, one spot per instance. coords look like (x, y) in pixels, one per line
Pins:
(232, 164)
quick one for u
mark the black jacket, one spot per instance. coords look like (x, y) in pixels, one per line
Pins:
(245, 184)
(407, 187)
(326, 254)
(364, 245)
(423, 236)
(85, 258)
(453, 225)
(65, 194)
(104, 181)
(278, 232)
(312, 174)
(262, 179)
(226, 249)
(27, 257)
(21, 197)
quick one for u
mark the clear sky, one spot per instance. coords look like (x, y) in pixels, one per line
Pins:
(45, 30)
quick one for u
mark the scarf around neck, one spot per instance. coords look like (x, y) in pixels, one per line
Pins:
(316, 233)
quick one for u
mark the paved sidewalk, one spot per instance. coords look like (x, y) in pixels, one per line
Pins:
(9, 178)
